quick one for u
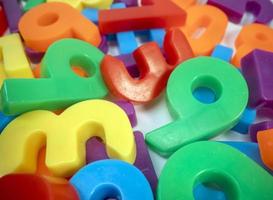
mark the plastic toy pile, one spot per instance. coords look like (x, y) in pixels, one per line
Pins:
(136, 100)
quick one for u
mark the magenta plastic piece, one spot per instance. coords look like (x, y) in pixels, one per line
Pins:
(13, 12)
(103, 45)
(253, 130)
(130, 64)
(235, 9)
(265, 112)
(34, 56)
(257, 68)
(95, 150)
(128, 107)
(128, 3)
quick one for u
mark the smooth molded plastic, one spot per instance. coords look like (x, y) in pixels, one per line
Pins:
(153, 67)
(255, 128)
(111, 179)
(265, 141)
(257, 68)
(59, 86)
(152, 14)
(251, 37)
(95, 150)
(80, 4)
(129, 109)
(34, 187)
(4, 121)
(217, 164)
(235, 9)
(3, 21)
(13, 13)
(194, 120)
(50, 22)
(14, 63)
(65, 136)
(204, 28)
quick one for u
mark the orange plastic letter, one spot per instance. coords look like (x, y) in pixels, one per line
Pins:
(212, 21)
(49, 22)
(253, 36)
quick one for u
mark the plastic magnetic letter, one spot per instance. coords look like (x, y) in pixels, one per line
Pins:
(13, 12)
(154, 70)
(95, 150)
(49, 22)
(265, 141)
(195, 120)
(235, 9)
(190, 165)
(185, 4)
(255, 128)
(257, 68)
(204, 28)
(64, 136)
(80, 4)
(253, 36)
(111, 179)
(59, 86)
(3, 21)
(152, 14)
(127, 42)
(34, 187)
(13, 60)
(4, 121)
(128, 3)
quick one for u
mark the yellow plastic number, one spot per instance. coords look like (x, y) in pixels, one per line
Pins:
(13, 60)
(80, 4)
(65, 136)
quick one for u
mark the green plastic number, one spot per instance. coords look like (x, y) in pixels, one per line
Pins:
(216, 163)
(195, 120)
(58, 87)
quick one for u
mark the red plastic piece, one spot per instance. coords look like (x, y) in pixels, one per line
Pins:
(34, 187)
(154, 70)
(3, 21)
(152, 14)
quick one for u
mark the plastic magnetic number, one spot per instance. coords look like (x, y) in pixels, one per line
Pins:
(152, 14)
(80, 4)
(59, 86)
(65, 136)
(213, 20)
(11, 47)
(49, 22)
(253, 36)
(154, 70)
(111, 179)
(33, 187)
(213, 162)
(195, 120)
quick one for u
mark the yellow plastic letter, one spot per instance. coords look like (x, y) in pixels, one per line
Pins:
(65, 136)
(13, 60)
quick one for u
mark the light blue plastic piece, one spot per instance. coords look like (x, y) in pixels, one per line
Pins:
(92, 14)
(111, 179)
(126, 41)
(157, 35)
(5, 120)
(223, 53)
(248, 118)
